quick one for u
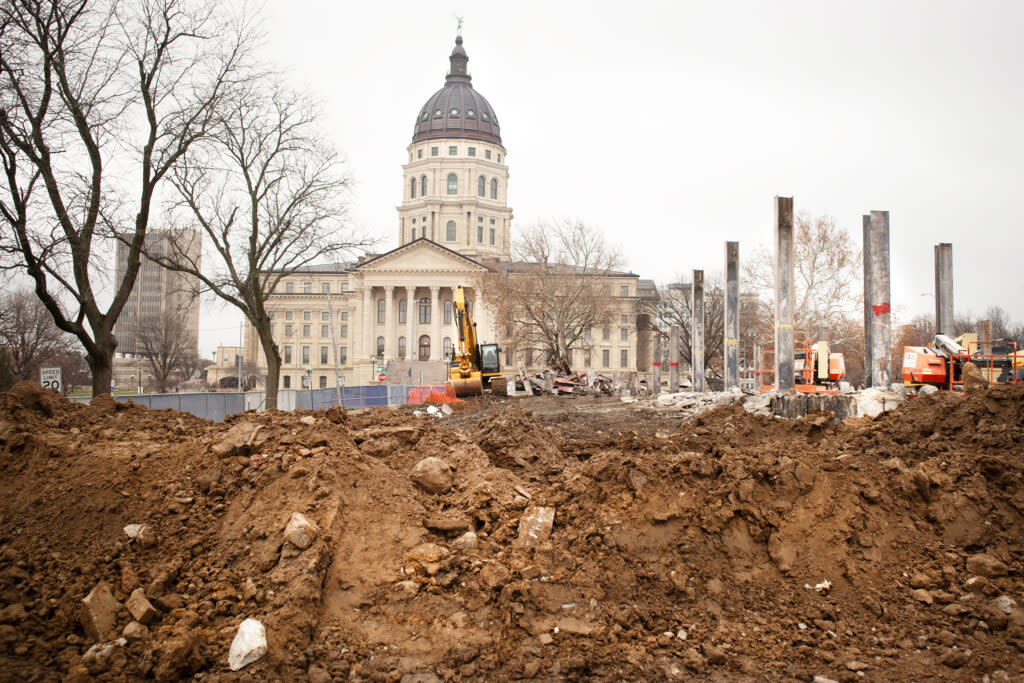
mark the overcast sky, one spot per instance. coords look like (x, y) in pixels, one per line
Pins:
(672, 125)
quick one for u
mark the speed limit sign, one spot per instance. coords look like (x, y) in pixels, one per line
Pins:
(50, 378)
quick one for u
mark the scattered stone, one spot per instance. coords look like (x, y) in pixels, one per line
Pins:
(427, 553)
(954, 658)
(300, 530)
(433, 475)
(926, 389)
(1005, 604)
(178, 655)
(545, 639)
(822, 679)
(973, 380)
(102, 657)
(420, 677)
(715, 656)
(132, 530)
(448, 526)
(99, 612)
(535, 525)
(141, 609)
(307, 420)
(129, 579)
(921, 595)
(315, 674)
(983, 564)
(494, 575)
(135, 631)
(854, 665)
(249, 644)
(170, 601)
(466, 541)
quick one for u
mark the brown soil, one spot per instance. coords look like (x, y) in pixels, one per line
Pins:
(781, 550)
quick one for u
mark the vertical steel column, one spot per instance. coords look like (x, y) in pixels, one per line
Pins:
(944, 288)
(731, 332)
(655, 387)
(697, 332)
(881, 317)
(867, 301)
(673, 359)
(784, 373)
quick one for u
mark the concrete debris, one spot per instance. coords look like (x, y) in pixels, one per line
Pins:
(308, 420)
(140, 608)
(135, 631)
(99, 612)
(535, 526)
(300, 530)
(873, 401)
(249, 645)
(432, 474)
(983, 564)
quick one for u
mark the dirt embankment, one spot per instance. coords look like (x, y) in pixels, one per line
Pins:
(506, 546)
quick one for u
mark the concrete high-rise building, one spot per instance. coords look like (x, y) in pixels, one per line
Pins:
(158, 291)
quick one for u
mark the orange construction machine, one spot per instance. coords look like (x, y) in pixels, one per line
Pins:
(940, 364)
(818, 371)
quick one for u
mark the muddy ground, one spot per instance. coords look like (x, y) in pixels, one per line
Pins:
(729, 547)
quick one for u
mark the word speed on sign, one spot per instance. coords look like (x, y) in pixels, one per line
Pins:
(50, 378)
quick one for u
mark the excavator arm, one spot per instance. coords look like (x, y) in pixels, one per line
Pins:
(465, 377)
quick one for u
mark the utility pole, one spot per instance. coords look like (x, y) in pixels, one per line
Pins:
(334, 349)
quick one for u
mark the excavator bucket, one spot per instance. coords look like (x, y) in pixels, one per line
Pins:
(467, 386)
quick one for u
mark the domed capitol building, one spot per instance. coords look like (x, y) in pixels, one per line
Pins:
(454, 227)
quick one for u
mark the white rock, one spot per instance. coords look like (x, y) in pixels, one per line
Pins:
(466, 541)
(432, 410)
(307, 420)
(535, 525)
(133, 530)
(822, 679)
(447, 409)
(926, 389)
(300, 530)
(1005, 603)
(249, 645)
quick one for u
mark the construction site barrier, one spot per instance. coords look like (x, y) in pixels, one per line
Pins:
(433, 394)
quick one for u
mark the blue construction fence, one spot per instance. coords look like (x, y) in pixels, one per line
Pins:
(218, 405)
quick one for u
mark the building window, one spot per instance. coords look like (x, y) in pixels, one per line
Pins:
(305, 355)
(481, 186)
(323, 381)
(307, 315)
(419, 153)
(492, 236)
(380, 311)
(289, 288)
(606, 333)
(323, 331)
(624, 290)
(499, 158)
(423, 187)
(323, 355)
(305, 330)
(424, 347)
(624, 319)
(494, 188)
(342, 354)
(586, 334)
(433, 151)
(287, 330)
(448, 312)
(271, 314)
(606, 358)
(446, 345)
(287, 354)
(287, 315)
(450, 231)
(487, 154)
(624, 358)
(492, 221)
(453, 184)
(424, 311)
(325, 287)
(325, 315)
(307, 287)
(412, 189)
(401, 311)
(344, 315)
(401, 347)
(344, 331)
(452, 150)
(287, 381)
(480, 234)
(380, 347)
(271, 330)
(624, 334)
(472, 150)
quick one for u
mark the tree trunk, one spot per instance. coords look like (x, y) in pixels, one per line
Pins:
(273, 363)
(100, 358)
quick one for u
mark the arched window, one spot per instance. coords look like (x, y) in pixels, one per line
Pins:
(424, 310)
(481, 186)
(401, 347)
(380, 347)
(412, 188)
(448, 312)
(423, 186)
(401, 311)
(380, 311)
(494, 188)
(447, 347)
(453, 184)
(424, 347)
(450, 231)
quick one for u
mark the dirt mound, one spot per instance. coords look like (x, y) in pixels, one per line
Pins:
(569, 542)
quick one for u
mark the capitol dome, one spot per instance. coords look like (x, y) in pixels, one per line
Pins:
(457, 110)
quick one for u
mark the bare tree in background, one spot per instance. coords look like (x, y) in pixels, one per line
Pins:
(192, 366)
(28, 333)
(93, 92)
(164, 341)
(270, 197)
(74, 370)
(556, 289)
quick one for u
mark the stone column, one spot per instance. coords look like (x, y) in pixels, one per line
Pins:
(731, 347)
(411, 347)
(435, 323)
(655, 387)
(365, 334)
(867, 301)
(697, 332)
(784, 356)
(944, 288)
(673, 359)
(878, 273)
(390, 315)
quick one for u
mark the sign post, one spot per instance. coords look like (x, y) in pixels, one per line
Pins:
(50, 378)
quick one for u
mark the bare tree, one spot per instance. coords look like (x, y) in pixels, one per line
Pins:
(675, 307)
(28, 333)
(270, 198)
(74, 370)
(164, 341)
(93, 92)
(556, 289)
(192, 366)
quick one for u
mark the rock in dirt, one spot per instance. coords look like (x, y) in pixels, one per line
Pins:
(448, 526)
(99, 612)
(178, 655)
(13, 614)
(316, 674)
(974, 381)
(300, 530)
(141, 609)
(135, 631)
(433, 475)
(466, 541)
(984, 564)
(249, 645)
(535, 526)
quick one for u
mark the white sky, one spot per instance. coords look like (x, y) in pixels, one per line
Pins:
(671, 125)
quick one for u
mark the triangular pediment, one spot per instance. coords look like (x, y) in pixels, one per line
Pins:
(421, 256)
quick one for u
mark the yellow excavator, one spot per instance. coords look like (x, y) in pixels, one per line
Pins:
(473, 365)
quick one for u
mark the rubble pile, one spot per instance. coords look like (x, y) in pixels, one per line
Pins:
(512, 544)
